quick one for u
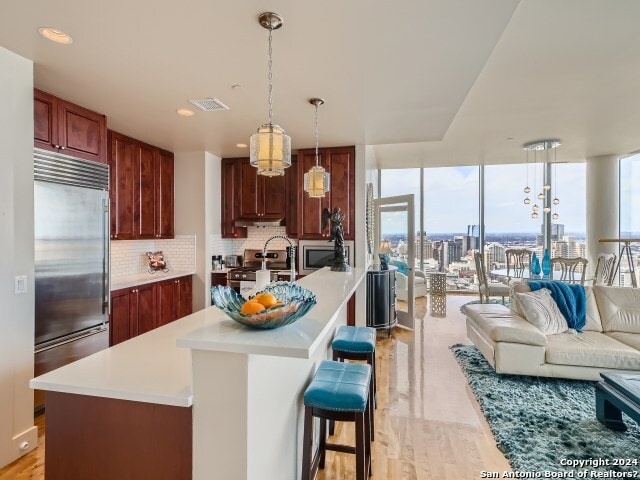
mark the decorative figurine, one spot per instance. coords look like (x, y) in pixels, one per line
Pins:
(340, 263)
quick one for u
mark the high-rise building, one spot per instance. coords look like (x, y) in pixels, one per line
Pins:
(455, 250)
(557, 232)
(427, 246)
(494, 253)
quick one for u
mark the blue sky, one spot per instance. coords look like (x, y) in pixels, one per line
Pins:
(451, 197)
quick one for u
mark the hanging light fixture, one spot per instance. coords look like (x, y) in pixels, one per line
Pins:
(270, 148)
(544, 146)
(316, 180)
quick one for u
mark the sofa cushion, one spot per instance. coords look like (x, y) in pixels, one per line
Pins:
(593, 315)
(631, 339)
(619, 308)
(502, 325)
(591, 349)
(541, 310)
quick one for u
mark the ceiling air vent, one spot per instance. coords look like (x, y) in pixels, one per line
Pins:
(209, 104)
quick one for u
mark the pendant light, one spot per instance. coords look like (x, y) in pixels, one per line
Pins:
(270, 148)
(316, 180)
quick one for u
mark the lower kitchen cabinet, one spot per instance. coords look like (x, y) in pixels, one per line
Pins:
(174, 299)
(139, 309)
(218, 278)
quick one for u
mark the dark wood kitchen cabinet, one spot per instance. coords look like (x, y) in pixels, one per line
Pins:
(230, 199)
(293, 184)
(142, 308)
(133, 312)
(218, 278)
(340, 163)
(260, 197)
(174, 299)
(141, 188)
(164, 201)
(64, 127)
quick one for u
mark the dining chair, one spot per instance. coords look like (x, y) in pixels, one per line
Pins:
(605, 269)
(518, 260)
(486, 288)
(569, 267)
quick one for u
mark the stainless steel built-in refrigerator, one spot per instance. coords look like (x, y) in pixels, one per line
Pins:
(71, 198)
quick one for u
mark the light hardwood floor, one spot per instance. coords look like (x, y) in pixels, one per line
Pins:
(31, 466)
(428, 423)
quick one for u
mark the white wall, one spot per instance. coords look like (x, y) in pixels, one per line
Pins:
(603, 212)
(16, 257)
(197, 212)
(366, 172)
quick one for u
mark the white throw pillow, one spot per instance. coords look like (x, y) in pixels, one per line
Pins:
(541, 310)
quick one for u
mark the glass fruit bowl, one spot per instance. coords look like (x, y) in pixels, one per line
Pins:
(296, 302)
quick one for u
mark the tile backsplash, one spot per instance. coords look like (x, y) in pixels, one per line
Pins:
(256, 236)
(128, 257)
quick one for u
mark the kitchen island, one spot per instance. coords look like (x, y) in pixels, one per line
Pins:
(239, 390)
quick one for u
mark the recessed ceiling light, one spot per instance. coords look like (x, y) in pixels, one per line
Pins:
(241, 145)
(185, 112)
(54, 35)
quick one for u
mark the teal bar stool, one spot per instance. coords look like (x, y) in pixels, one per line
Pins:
(357, 343)
(339, 392)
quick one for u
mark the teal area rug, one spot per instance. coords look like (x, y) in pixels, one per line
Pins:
(540, 423)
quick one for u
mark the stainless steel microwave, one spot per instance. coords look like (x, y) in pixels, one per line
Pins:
(316, 254)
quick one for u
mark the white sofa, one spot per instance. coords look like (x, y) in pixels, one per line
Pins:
(419, 285)
(610, 341)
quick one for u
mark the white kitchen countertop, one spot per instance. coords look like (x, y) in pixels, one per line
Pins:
(153, 368)
(299, 340)
(143, 278)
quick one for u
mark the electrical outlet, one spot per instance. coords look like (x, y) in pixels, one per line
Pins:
(21, 284)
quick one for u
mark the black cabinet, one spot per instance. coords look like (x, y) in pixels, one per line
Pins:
(381, 298)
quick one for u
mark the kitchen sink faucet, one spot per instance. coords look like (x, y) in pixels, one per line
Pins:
(292, 273)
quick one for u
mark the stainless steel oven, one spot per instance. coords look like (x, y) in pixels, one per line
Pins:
(316, 254)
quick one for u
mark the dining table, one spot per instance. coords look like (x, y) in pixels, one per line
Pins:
(525, 274)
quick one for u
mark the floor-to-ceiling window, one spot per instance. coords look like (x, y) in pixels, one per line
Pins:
(393, 225)
(450, 214)
(629, 212)
(450, 219)
(568, 237)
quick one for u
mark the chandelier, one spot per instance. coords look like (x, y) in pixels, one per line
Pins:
(270, 148)
(545, 147)
(316, 180)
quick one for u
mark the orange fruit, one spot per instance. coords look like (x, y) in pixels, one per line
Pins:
(251, 307)
(267, 300)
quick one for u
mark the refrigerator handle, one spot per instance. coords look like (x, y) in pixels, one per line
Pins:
(106, 258)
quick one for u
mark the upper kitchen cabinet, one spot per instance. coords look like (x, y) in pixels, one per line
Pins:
(67, 128)
(142, 189)
(291, 207)
(230, 192)
(164, 181)
(340, 163)
(260, 197)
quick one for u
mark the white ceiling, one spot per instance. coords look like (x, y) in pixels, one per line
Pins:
(428, 82)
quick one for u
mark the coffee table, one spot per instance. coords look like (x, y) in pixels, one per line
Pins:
(617, 393)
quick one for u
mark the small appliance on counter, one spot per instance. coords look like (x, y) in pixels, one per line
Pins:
(233, 261)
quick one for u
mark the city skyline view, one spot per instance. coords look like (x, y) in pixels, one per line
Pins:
(451, 199)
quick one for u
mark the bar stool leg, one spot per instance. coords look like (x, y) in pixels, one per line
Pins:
(332, 423)
(360, 446)
(307, 443)
(371, 360)
(323, 442)
(369, 436)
